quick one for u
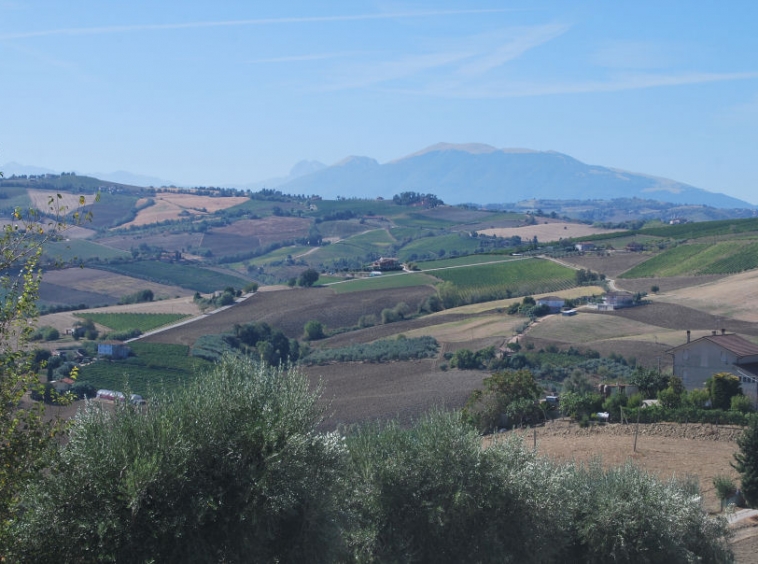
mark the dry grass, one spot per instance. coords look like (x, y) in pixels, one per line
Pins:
(475, 328)
(586, 328)
(70, 202)
(170, 205)
(664, 456)
(546, 232)
(734, 297)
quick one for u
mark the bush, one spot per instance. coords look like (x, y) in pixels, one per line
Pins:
(746, 462)
(740, 403)
(228, 467)
(722, 387)
(313, 330)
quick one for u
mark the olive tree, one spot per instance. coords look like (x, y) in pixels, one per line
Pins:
(230, 468)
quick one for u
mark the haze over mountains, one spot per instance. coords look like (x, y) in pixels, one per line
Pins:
(465, 173)
(481, 174)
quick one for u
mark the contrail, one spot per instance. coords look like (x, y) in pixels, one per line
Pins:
(246, 22)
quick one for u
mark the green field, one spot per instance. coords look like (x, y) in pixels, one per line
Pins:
(384, 282)
(185, 276)
(124, 321)
(513, 278)
(377, 241)
(277, 255)
(14, 197)
(433, 246)
(153, 367)
(725, 257)
(359, 207)
(422, 219)
(81, 250)
(463, 261)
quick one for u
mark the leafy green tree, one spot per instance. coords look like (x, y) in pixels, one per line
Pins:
(314, 330)
(308, 278)
(743, 404)
(431, 493)
(696, 398)
(722, 386)
(485, 407)
(614, 403)
(625, 514)
(24, 434)
(746, 462)
(649, 381)
(672, 395)
(579, 405)
(577, 382)
(230, 468)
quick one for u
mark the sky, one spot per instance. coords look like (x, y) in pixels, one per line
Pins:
(222, 93)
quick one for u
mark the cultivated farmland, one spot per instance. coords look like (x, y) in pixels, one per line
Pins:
(547, 231)
(124, 321)
(190, 277)
(521, 277)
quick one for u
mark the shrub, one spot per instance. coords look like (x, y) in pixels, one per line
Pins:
(725, 487)
(226, 468)
(740, 403)
(722, 386)
(313, 330)
(746, 462)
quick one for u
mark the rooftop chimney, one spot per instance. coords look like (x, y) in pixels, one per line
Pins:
(723, 331)
(688, 335)
(713, 332)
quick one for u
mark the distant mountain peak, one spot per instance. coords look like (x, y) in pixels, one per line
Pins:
(305, 167)
(470, 148)
(357, 161)
(482, 174)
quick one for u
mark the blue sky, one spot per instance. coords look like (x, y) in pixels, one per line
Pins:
(222, 93)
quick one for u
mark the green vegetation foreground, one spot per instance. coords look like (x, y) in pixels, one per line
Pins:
(233, 468)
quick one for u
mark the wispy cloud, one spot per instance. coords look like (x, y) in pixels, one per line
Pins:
(461, 60)
(636, 55)
(515, 43)
(515, 89)
(244, 22)
(300, 58)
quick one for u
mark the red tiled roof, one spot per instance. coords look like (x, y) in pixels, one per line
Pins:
(734, 343)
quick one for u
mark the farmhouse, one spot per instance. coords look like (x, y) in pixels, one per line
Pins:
(584, 247)
(113, 349)
(386, 263)
(696, 361)
(553, 302)
(616, 300)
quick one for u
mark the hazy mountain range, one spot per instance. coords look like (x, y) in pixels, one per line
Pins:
(120, 176)
(464, 173)
(481, 174)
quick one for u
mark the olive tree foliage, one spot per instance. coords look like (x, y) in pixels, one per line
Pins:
(24, 436)
(746, 462)
(627, 515)
(435, 493)
(228, 469)
(432, 493)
